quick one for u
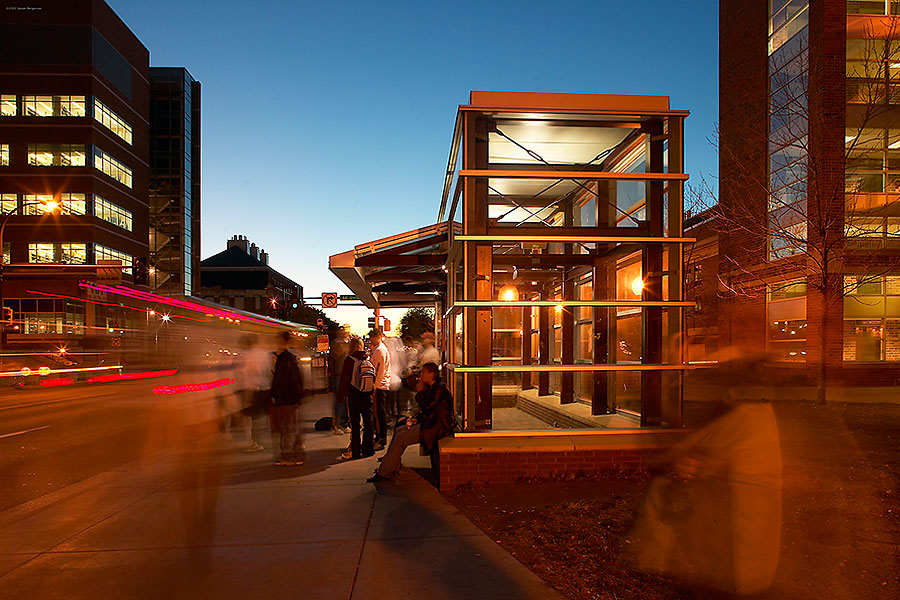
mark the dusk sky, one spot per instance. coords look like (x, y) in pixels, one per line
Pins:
(328, 124)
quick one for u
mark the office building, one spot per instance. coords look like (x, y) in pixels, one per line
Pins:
(74, 92)
(174, 181)
(809, 243)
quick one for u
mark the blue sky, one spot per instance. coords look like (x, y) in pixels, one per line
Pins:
(328, 124)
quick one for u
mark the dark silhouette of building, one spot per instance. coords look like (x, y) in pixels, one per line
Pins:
(174, 181)
(240, 276)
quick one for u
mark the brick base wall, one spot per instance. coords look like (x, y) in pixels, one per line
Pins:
(480, 468)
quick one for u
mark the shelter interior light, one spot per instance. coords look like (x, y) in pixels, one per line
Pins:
(508, 293)
(637, 286)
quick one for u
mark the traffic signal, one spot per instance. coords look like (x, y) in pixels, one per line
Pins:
(7, 315)
(140, 270)
(372, 323)
(320, 323)
(294, 305)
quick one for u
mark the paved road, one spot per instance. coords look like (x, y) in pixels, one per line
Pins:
(51, 438)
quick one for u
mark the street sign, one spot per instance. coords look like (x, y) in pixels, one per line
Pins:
(329, 300)
(347, 297)
(322, 343)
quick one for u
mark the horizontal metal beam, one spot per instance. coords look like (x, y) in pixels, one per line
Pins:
(574, 239)
(564, 303)
(553, 174)
(400, 276)
(567, 368)
(642, 230)
(403, 260)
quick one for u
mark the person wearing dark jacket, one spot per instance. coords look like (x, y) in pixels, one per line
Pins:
(433, 422)
(284, 413)
(356, 368)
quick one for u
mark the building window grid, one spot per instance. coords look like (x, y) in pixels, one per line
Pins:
(8, 203)
(46, 316)
(8, 105)
(788, 128)
(4, 155)
(112, 213)
(112, 121)
(61, 252)
(69, 203)
(873, 7)
(102, 252)
(53, 106)
(113, 168)
(56, 155)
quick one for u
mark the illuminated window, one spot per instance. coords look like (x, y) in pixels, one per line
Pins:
(112, 213)
(786, 309)
(4, 155)
(8, 203)
(53, 106)
(8, 106)
(42, 316)
(6, 251)
(56, 155)
(69, 204)
(41, 253)
(110, 166)
(102, 252)
(112, 121)
(66, 253)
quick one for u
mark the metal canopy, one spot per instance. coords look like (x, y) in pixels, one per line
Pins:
(412, 263)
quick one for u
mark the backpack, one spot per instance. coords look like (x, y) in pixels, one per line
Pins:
(363, 377)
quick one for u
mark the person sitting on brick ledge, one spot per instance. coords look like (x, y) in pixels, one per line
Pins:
(434, 421)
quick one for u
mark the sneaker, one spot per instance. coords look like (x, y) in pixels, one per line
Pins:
(346, 455)
(283, 463)
(297, 462)
(254, 447)
(337, 431)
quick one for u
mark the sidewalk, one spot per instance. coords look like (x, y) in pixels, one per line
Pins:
(316, 531)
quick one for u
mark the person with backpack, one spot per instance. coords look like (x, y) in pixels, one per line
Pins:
(357, 385)
(284, 414)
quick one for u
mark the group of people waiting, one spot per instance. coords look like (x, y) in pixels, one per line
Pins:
(366, 403)
(367, 396)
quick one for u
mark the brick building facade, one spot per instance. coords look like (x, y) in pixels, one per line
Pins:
(808, 225)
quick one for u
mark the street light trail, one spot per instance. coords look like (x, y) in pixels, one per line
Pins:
(24, 431)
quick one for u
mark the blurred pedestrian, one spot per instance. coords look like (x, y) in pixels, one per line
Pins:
(254, 381)
(398, 365)
(428, 353)
(337, 355)
(357, 386)
(434, 421)
(381, 360)
(287, 392)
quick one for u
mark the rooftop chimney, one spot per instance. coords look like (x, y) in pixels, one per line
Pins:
(239, 241)
(263, 256)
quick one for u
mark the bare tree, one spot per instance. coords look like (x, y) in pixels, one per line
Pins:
(818, 223)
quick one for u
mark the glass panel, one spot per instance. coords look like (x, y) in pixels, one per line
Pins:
(8, 106)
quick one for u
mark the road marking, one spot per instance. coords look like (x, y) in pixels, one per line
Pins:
(24, 431)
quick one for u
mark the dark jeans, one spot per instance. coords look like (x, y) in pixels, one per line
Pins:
(340, 409)
(380, 416)
(360, 404)
(391, 404)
